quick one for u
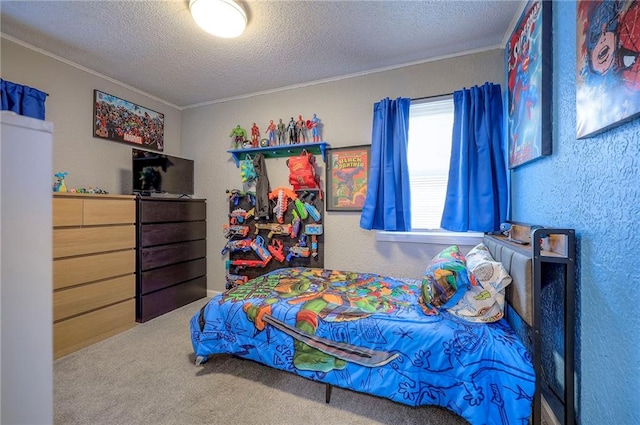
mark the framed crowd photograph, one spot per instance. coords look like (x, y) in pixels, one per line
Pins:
(608, 69)
(122, 121)
(347, 177)
(528, 64)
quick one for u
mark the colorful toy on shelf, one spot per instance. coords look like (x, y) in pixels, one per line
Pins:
(295, 224)
(271, 132)
(239, 215)
(301, 130)
(307, 198)
(231, 231)
(59, 185)
(247, 170)
(281, 130)
(255, 135)
(240, 264)
(260, 249)
(314, 125)
(239, 135)
(299, 250)
(276, 248)
(237, 245)
(293, 134)
(313, 230)
(283, 195)
(274, 229)
(236, 194)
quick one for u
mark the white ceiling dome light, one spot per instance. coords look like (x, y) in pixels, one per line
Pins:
(222, 18)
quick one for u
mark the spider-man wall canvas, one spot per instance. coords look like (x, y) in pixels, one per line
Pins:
(529, 86)
(608, 66)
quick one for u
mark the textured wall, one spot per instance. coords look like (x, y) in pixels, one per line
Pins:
(88, 160)
(592, 185)
(345, 108)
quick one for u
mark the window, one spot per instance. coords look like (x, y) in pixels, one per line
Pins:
(429, 153)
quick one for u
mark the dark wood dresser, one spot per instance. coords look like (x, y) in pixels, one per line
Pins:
(171, 263)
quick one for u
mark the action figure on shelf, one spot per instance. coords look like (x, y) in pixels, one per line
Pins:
(293, 134)
(300, 130)
(313, 124)
(255, 136)
(282, 127)
(239, 135)
(271, 131)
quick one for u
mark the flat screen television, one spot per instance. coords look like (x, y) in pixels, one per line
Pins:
(157, 173)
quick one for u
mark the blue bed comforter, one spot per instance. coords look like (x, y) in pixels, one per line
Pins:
(367, 333)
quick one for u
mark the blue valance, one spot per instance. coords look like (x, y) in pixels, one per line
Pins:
(22, 100)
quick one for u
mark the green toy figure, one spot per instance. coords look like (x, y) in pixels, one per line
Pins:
(239, 135)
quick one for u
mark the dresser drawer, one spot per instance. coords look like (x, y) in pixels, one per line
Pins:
(164, 255)
(87, 240)
(153, 280)
(77, 270)
(167, 211)
(158, 234)
(81, 331)
(108, 211)
(67, 212)
(72, 301)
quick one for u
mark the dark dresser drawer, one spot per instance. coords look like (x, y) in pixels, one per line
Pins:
(164, 255)
(160, 211)
(165, 233)
(153, 280)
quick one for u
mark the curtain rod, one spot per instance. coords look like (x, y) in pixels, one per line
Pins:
(431, 97)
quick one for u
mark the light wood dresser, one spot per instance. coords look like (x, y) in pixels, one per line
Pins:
(94, 261)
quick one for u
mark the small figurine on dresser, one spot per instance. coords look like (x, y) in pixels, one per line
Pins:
(301, 129)
(255, 136)
(59, 185)
(239, 135)
(293, 134)
(281, 129)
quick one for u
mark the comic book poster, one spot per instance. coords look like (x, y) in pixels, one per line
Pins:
(608, 69)
(528, 62)
(347, 175)
(122, 121)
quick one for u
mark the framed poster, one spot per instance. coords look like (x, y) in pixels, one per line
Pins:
(529, 67)
(347, 177)
(608, 69)
(122, 121)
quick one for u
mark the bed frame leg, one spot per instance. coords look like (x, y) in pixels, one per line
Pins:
(327, 393)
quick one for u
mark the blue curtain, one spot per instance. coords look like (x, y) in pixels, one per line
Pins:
(388, 202)
(22, 100)
(477, 194)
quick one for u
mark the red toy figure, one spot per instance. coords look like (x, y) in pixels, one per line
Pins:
(255, 136)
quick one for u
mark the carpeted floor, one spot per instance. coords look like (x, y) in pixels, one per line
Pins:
(147, 375)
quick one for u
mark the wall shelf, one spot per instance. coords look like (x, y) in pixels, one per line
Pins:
(281, 151)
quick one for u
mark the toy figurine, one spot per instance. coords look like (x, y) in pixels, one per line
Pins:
(255, 136)
(59, 185)
(293, 135)
(313, 124)
(239, 135)
(301, 130)
(271, 131)
(281, 130)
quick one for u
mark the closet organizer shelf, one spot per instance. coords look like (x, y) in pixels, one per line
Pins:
(281, 151)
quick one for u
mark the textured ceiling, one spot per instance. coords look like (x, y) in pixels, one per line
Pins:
(156, 47)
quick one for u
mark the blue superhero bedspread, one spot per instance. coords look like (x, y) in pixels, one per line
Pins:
(367, 333)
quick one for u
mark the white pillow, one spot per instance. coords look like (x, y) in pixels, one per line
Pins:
(484, 302)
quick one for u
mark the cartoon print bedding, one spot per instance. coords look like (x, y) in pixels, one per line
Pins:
(368, 333)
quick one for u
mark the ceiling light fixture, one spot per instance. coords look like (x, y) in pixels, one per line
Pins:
(222, 18)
